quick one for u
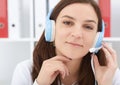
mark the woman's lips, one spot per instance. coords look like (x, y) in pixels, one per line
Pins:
(75, 44)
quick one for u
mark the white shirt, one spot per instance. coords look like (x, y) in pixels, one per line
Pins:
(22, 74)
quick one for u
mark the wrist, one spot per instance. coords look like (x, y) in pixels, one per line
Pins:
(37, 82)
(105, 83)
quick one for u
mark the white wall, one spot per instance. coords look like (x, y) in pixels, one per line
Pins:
(115, 25)
(10, 54)
(115, 18)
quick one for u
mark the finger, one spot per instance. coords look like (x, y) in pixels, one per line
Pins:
(111, 50)
(96, 62)
(62, 68)
(108, 57)
(58, 63)
(52, 66)
(61, 58)
(108, 47)
(55, 73)
(66, 70)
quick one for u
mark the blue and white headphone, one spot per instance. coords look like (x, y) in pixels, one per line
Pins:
(99, 38)
(50, 28)
(50, 32)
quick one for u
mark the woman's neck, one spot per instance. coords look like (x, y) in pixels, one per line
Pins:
(73, 67)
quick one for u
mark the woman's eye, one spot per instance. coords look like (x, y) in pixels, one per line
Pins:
(69, 23)
(88, 27)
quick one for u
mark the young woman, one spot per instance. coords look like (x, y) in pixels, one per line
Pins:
(67, 60)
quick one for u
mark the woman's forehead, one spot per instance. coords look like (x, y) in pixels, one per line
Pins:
(79, 10)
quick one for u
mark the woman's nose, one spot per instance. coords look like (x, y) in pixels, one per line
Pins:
(77, 32)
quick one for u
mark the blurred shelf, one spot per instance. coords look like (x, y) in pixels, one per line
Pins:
(112, 39)
(16, 40)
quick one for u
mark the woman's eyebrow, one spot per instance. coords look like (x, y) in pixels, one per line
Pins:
(91, 21)
(66, 16)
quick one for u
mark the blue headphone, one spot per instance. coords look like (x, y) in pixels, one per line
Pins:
(50, 28)
(50, 32)
(99, 37)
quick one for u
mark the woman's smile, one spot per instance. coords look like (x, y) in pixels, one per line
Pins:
(75, 44)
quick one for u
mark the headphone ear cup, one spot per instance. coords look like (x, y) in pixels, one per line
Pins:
(99, 37)
(50, 28)
(50, 31)
(98, 40)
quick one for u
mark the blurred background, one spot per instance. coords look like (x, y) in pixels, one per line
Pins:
(23, 21)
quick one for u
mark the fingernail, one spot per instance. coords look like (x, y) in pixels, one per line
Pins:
(68, 73)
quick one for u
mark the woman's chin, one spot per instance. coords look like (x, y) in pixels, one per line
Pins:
(73, 57)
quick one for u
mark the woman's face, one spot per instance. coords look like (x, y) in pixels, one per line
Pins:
(76, 28)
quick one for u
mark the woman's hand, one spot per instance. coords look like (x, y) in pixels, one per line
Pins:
(51, 68)
(104, 74)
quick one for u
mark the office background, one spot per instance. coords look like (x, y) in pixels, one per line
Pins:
(26, 22)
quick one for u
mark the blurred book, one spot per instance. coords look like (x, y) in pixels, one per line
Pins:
(14, 18)
(40, 17)
(105, 6)
(3, 19)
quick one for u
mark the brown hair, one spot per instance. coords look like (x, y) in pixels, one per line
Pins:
(45, 50)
